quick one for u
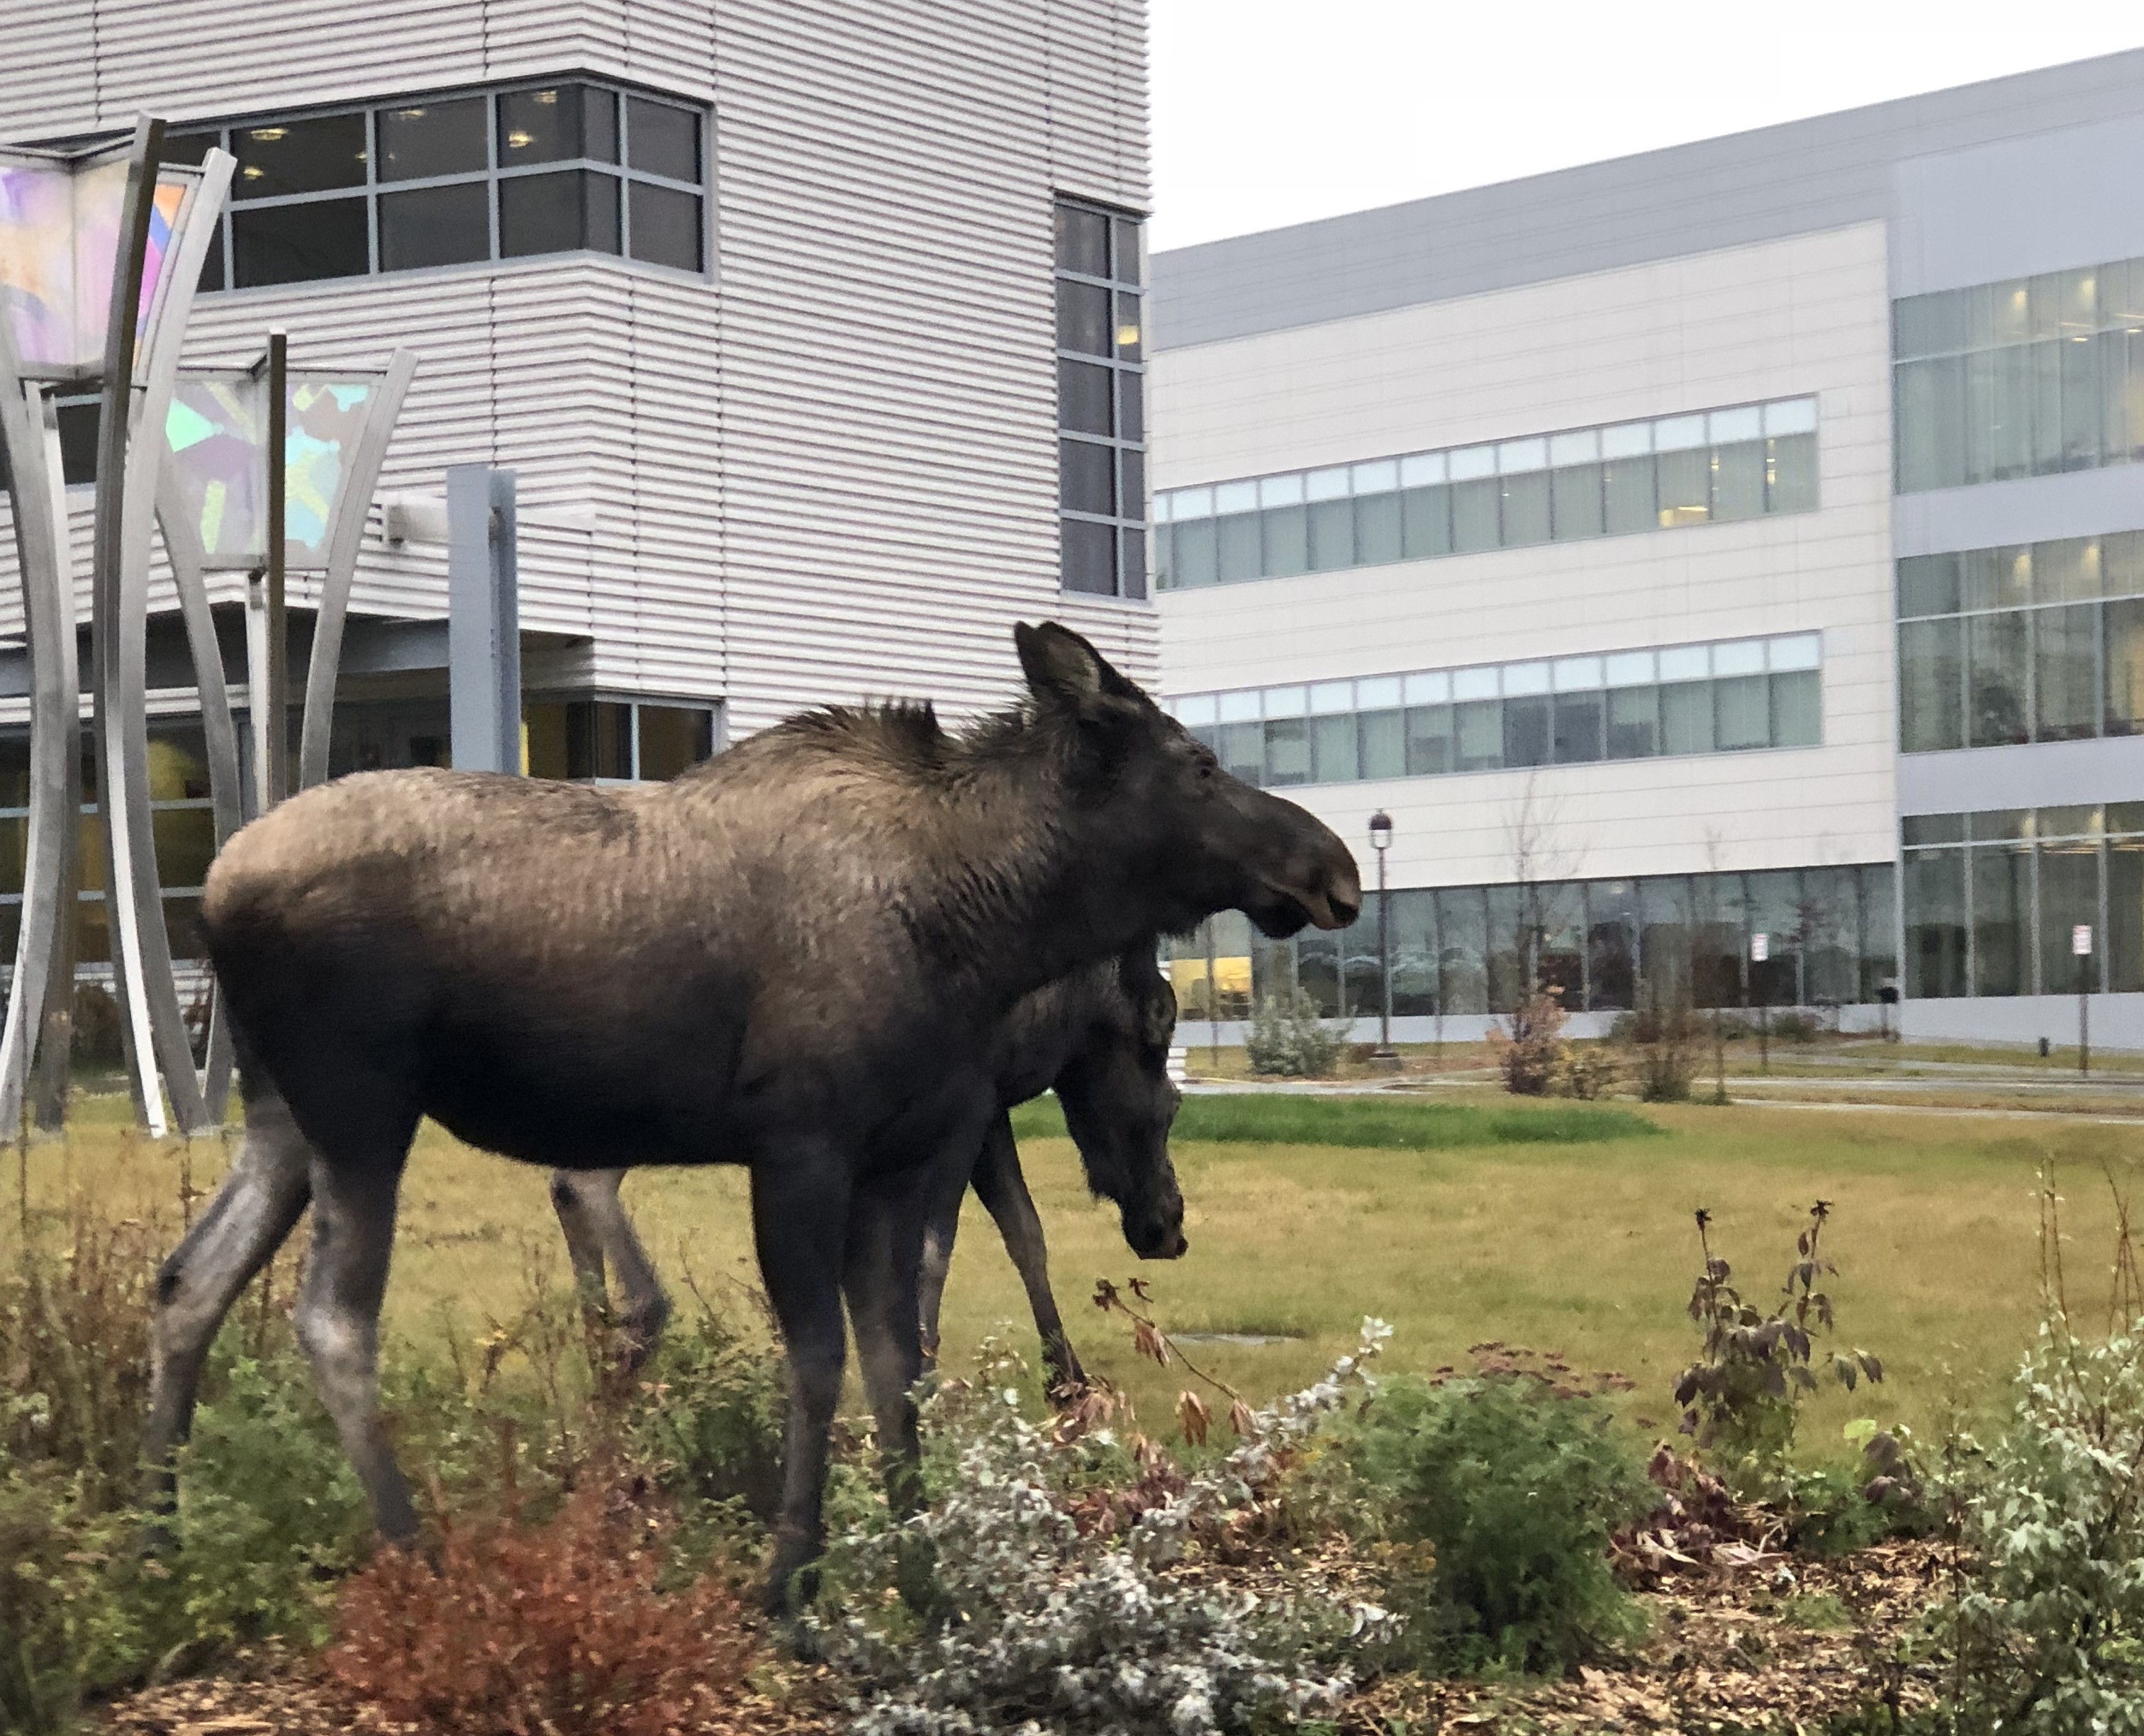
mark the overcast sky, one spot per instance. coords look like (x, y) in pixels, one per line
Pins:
(1273, 112)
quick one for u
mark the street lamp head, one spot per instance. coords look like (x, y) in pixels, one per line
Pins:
(1380, 830)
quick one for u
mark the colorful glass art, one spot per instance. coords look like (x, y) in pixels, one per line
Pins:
(217, 429)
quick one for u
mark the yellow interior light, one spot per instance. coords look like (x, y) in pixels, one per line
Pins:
(517, 140)
(268, 135)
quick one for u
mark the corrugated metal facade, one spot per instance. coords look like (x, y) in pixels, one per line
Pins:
(831, 471)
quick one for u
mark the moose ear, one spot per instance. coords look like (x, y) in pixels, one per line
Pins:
(1064, 669)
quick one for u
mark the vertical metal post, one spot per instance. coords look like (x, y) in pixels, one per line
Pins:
(484, 634)
(276, 768)
(2084, 1016)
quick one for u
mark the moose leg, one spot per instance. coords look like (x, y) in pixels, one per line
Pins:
(799, 1215)
(881, 1276)
(939, 1232)
(597, 1229)
(338, 1322)
(1002, 1188)
(252, 1214)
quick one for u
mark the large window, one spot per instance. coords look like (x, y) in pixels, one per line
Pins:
(1704, 468)
(1992, 900)
(614, 740)
(1101, 408)
(2039, 641)
(564, 167)
(2025, 377)
(1624, 705)
(1608, 946)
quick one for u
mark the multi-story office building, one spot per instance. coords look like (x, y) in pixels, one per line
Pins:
(813, 336)
(1739, 540)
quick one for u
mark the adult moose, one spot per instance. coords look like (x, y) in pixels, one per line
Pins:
(791, 958)
(1100, 1038)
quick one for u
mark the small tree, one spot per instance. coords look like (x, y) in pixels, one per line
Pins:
(1289, 1039)
(1532, 1056)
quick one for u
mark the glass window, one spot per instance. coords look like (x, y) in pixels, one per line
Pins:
(666, 225)
(2065, 673)
(1332, 535)
(1462, 932)
(433, 138)
(1930, 407)
(1738, 480)
(1475, 513)
(299, 156)
(1384, 744)
(2125, 668)
(299, 243)
(1335, 751)
(1426, 523)
(1684, 482)
(1575, 503)
(1686, 718)
(1743, 709)
(1935, 923)
(2124, 916)
(1996, 677)
(1082, 240)
(1611, 945)
(1429, 750)
(1927, 585)
(662, 140)
(1663, 936)
(598, 739)
(1287, 540)
(674, 738)
(1083, 318)
(556, 125)
(1526, 730)
(1996, 578)
(1628, 502)
(1798, 709)
(442, 225)
(1083, 397)
(1378, 536)
(2081, 413)
(1241, 549)
(1578, 728)
(1477, 734)
(558, 213)
(1288, 751)
(1090, 553)
(1633, 726)
(2001, 919)
(1087, 477)
(1525, 509)
(1242, 749)
(2069, 895)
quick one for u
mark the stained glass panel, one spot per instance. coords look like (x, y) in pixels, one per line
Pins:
(218, 431)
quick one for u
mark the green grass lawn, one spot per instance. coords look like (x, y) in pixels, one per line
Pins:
(1561, 1226)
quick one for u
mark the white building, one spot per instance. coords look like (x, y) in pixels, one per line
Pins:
(767, 308)
(1586, 524)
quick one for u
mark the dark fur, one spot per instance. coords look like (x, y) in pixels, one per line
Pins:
(795, 958)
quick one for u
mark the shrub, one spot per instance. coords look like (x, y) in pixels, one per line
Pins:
(557, 1629)
(1516, 1485)
(97, 1043)
(1532, 1055)
(711, 1417)
(1288, 1038)
(1666, 1035)
(1589, 1071)
(1793, 1026)
(1047, 1609)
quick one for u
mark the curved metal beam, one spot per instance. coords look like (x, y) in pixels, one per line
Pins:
(364, 460)
(44, 941)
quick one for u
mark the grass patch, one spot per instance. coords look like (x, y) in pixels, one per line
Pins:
(1377, 1123)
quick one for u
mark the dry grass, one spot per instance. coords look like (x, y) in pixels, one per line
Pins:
(1585, 1249)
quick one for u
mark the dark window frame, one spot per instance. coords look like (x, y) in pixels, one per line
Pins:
(1125, 363)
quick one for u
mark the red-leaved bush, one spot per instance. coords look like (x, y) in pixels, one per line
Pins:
(550, 1630)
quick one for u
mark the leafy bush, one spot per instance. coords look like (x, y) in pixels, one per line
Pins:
(1517, 1483)
(713, 1407)
(1664, 1035)
(557, 1629)
(1531, 1054)
(1742, 1397)
(1589, 1071)
(1794, 1026)
(1290, 1038)
(97, 1043)
(1049, 1610)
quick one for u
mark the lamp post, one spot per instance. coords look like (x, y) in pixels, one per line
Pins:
(1381, 839)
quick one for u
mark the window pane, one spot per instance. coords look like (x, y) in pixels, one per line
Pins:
(1575, 503)
(2047, 365)
(1935, 923)
(556, 125)
(1507, 949)
(79, 424)
(1462, 933)
(2069, 895)
(1798, 709)
(1083, 397)
(1474, 515)
(662, 140)
(1999, 412)
(1238, 539)
(2080, 403)
(2065, 682)
(557, 214)
(1131, 491)
(1578, 728)
(598, 739)
(299, 156)
(666, 225)
(1335, 755)
(1288, 751)
(1996, 677)
(1686, 718)
(673, 738)
(1526, 509)
(1287, 541)
(2124, 916)
(1738, 480)
(1086, 476)
(1384, 745)
(1685, 485)
(1083, 318)
(2125, 668)
(449, 225)
(1083, 242)
(1633, 723)
(1429, 741)
(1132, 567)
(1611, 945)
(184, 841)
(299, 243)
(1413, 942)
(1742, 705)
(1630, 503)
(1424, 522)
(192, 148)
(1927, 585)
(1127, 261)
(1332, 535)
(2002, 921)
(433, 138)
(1242, 752)
(1931, 687)
(1091, 556)
(1377, 530)
(1526, 730)
(1995, 579)
(1477, 736)
(1931, 412)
